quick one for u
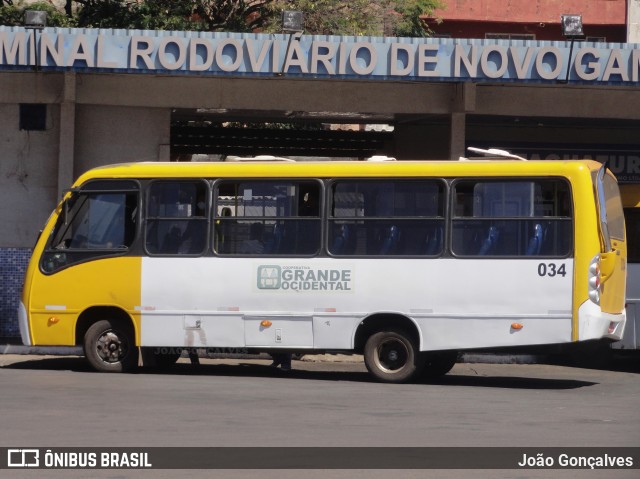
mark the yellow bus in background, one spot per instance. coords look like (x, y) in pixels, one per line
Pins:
(407, 263)
(631, 203)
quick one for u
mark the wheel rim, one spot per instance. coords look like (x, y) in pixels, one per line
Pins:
(110, 347)
(391, 355)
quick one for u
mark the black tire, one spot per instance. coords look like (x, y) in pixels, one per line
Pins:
(109, 346)
(392, 356)
(436, 365)
(159, 358)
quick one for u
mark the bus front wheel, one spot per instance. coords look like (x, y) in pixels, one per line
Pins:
(391, 356)
(109, 347)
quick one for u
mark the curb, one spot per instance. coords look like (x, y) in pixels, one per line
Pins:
(41, 350)
(336, 358)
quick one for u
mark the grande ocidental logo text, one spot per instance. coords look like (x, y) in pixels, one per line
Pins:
(303, 278)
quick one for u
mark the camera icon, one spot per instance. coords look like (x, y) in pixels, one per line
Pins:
(23, 458)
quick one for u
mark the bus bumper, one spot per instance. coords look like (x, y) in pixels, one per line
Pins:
(594, 324)
(23, 321)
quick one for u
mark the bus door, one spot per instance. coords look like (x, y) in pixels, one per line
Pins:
(612, 232)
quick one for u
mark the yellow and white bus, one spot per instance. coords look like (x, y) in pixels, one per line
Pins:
(407, 263)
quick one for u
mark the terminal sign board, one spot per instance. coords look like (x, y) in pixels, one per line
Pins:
(205, 53)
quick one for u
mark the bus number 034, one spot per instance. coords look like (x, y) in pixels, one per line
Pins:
(551, 269)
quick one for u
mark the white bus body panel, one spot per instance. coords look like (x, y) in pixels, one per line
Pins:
(594, 324)
(318, 303)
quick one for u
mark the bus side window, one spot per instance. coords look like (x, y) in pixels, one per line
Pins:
(390, 238)
(177, 218)
(387, 218)
(535, 242)
(220, 226)
(172, 240)
(341, 238)
(511, 218)
(489, 243)
(271, 217)
(434, 241)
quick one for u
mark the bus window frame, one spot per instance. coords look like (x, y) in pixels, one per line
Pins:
(503, 179)
(328, 218)
(214, 218)
(206, 218)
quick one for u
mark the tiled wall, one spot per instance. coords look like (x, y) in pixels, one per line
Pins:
(13, 264)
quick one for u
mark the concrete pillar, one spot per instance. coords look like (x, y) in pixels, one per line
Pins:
(67, 134)
(457, 136)
(633, 21)
(164, 152)
(463, 102)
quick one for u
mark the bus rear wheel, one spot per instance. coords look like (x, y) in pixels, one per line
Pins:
(391, 356)
(109, 347)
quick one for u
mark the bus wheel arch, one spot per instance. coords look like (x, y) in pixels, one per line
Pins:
(107, 335)
(390, 344)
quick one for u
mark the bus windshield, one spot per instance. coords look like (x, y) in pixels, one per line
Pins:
(95, 222)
